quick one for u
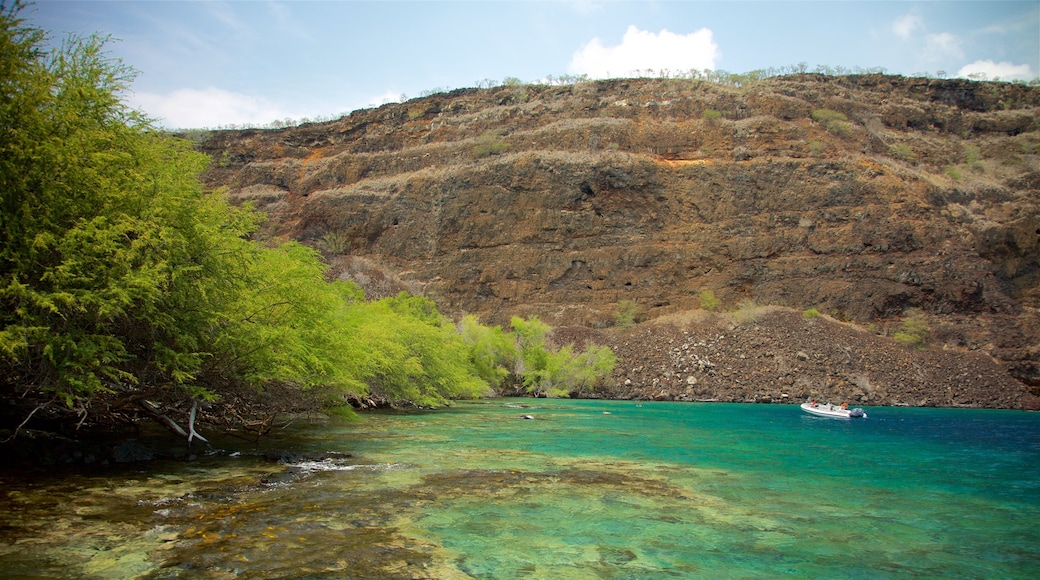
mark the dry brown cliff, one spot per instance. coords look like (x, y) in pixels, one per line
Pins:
(861, 196)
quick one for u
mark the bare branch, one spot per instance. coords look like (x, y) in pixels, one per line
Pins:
(19, 427)
(191, 424)
(164, 420)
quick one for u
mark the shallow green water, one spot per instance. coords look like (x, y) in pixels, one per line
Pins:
(585, 489)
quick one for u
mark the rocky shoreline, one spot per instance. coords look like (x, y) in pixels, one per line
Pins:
(781, 356)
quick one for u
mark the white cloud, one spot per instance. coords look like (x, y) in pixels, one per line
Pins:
(905, 26)
(941, 46)
(640, 50)
(1005, 71)
(212, 107)
(938, 47)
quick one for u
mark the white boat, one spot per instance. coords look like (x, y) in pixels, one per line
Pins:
(829, 410)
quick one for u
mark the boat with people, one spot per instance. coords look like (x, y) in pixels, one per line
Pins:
(839, 411)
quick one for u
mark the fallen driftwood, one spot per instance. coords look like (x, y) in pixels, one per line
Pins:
(165, 420)
(191, 424)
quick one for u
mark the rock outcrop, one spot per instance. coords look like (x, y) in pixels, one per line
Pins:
(861, 196)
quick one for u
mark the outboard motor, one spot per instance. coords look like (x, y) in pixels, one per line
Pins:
(857, 413)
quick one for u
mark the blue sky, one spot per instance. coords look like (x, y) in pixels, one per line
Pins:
(209, 64)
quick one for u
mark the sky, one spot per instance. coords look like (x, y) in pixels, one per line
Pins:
(209, 64)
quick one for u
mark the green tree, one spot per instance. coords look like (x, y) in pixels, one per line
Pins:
(124, 285)
(100, 216)
(585, 370)
(834, 122)
(411, 354)
(532, 362)
(283, 323)
(914, 330)
(490, 348)
(551, 377)
(489, 143)
(904, 152)
(708, 300)
(556, 373)
(626, 313)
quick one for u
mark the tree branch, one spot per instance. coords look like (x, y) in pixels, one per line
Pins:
(191, 424)
(164, 420)
(19, 427)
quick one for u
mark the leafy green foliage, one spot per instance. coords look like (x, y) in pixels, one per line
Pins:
(524, 358)
(626, 313)
(588, 368)
(488, 144)
(708, 300)
(490, 349)
(121, 279)
(284, 323)
(833, 121)
(914, 330)
(904, 152)
(811, 313)
(104, 224)
(533, 362)
(411, 353)
(554, 373)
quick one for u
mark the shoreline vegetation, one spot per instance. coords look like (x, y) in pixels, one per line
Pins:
(128, 292)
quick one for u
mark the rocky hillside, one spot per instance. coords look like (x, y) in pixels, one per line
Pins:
(863, 197)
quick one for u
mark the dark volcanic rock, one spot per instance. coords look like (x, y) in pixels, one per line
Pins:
(779, 356)
(561, 201)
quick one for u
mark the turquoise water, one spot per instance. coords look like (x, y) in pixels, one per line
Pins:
(585, 489)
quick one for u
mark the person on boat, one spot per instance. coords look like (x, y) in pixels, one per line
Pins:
(845, 406)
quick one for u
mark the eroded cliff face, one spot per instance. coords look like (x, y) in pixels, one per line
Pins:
(561, 201)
